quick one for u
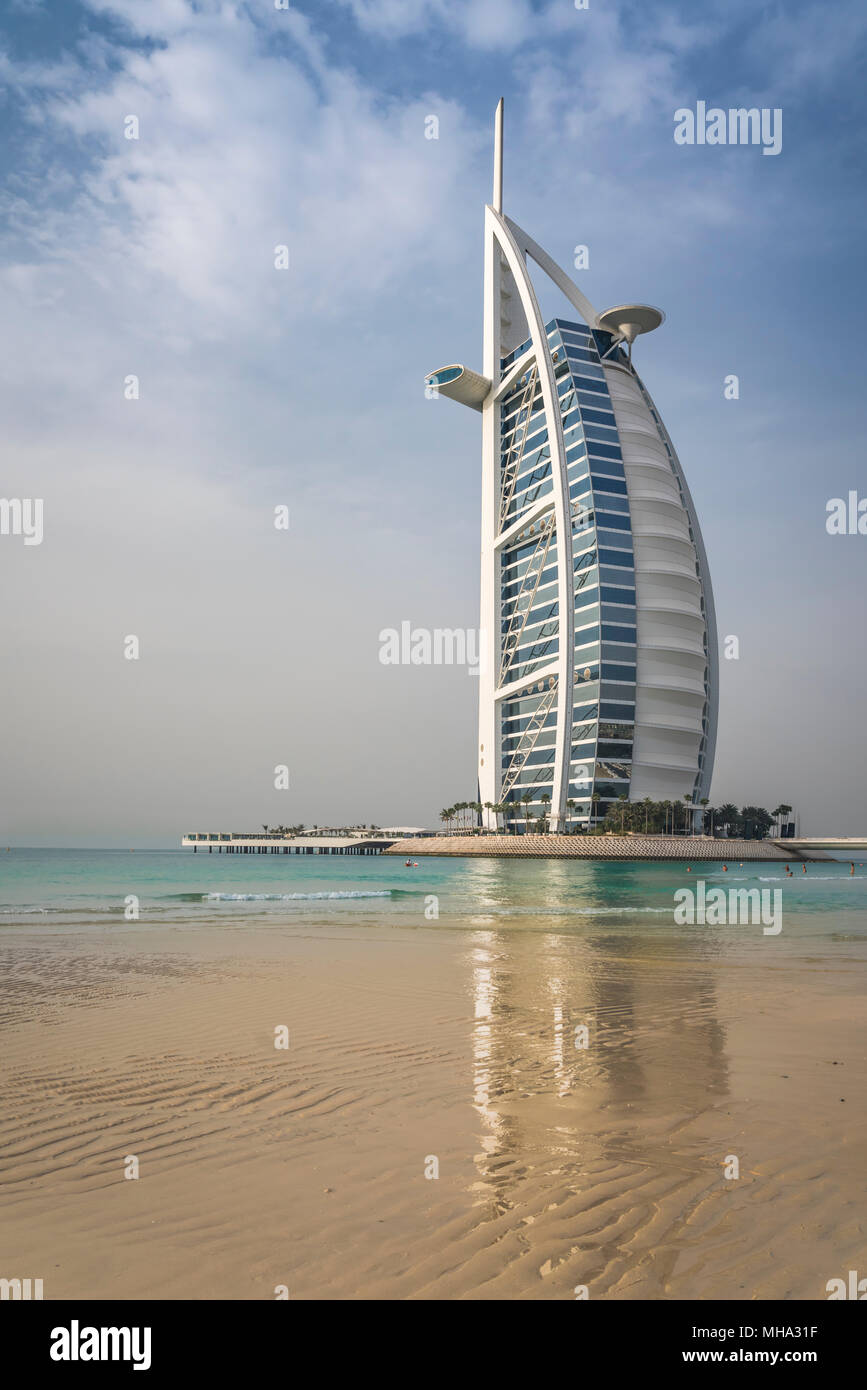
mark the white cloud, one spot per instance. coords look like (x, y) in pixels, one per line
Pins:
(242, 148)
(485, 24)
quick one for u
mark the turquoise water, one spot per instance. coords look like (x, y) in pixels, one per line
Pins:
(71, 889)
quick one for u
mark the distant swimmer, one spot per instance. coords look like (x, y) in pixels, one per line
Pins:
(851, 870)
(725, 868)
(408, 864)
(689, 871)
(805, 868)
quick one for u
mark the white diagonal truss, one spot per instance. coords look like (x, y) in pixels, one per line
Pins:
(529, 738)
(525, 597)
(515, 457)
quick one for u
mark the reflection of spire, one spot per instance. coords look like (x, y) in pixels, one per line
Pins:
(563, 1062)
(483, 993)
(498, 158)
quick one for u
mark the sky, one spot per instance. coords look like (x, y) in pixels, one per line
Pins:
(302, 387)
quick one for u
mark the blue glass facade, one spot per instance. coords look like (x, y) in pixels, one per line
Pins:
(604, 644)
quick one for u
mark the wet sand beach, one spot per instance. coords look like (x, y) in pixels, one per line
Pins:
(559, 1167)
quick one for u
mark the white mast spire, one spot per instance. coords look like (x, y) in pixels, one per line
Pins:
(498, 158)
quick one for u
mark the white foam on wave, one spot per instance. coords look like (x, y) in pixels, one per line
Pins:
(814, 878)
(289, 897)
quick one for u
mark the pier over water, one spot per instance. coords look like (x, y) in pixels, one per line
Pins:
(232, 842)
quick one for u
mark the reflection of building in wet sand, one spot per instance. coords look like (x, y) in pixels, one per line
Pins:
(657, 1033)
(655, 1052)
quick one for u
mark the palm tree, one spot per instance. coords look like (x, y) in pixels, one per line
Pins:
(688, 822)
(728, 815)
(570, 806)
(525, 801)
(622, 798)
(781, 810)
(546, 801)
(594, 801)
(704, 805)
(647, 803)
(445, 816)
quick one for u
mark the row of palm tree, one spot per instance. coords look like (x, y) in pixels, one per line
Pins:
(669, 817)
(750, 822)
(678, 817)
(299, 829)
(465, 816)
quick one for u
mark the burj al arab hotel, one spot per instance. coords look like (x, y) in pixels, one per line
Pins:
(599, 669)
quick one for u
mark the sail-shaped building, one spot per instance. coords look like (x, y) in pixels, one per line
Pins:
(598, 674)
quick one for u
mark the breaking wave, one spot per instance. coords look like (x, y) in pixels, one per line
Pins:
(285, 897)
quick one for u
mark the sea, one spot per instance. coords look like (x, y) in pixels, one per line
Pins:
(66, 891)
